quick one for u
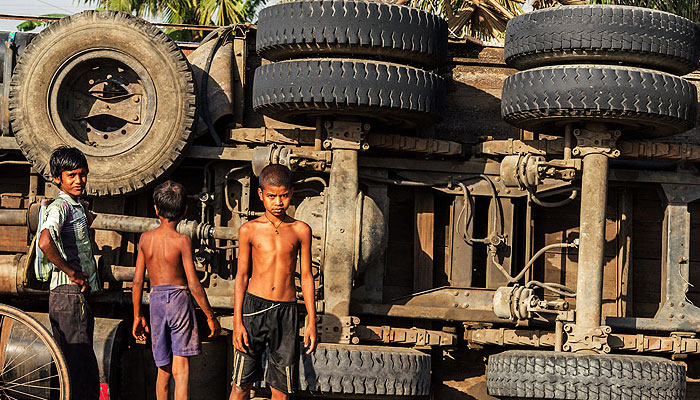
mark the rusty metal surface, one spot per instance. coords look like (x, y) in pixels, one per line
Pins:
(7, 60)
(427, 313)
(676, 343)
(676, 313)
(451, 297)
(553, 147)
(220, 95)
(8, 143)
(375, 140)
(11, 267)
(415, 336)
(589, 282)
(340, 233)
(13, 217)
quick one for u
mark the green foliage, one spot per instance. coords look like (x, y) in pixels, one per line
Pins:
(193, 12)
(27, 26)
(481, 19)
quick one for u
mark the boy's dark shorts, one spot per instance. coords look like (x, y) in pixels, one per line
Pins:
(273, 325)
(173, 324)
(73, 325)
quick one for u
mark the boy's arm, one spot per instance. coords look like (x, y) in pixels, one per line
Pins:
(140, 327)
(54, 221)
(196, 287)
(240, 336)
(308, 289)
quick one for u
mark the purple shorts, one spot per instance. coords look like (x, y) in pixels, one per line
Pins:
(173, 325)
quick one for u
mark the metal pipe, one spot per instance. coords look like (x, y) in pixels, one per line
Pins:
(193, 229)
(126, 223)
(318, 135)
(13, 217)
(568, 139)
(589, 283)
(118, 273)
(537, 255)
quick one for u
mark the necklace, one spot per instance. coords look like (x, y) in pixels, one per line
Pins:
(273, 224)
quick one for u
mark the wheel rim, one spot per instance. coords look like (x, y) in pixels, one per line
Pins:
(31, 369)
(102, 101)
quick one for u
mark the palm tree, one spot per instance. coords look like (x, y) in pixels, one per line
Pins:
(194, 12)
(482, 19)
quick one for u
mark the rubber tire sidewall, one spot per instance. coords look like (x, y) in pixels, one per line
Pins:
(175, 102)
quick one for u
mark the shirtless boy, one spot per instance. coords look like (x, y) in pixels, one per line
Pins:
(265, 311)
(167, 256)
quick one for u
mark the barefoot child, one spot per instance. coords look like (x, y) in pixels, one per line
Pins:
(167, 256)
(265, 312)
(65, 241)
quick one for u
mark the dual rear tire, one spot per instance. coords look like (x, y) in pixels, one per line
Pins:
(597, 63)
(359, 59)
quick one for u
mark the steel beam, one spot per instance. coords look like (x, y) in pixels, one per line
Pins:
(589, 284)
(676, 313)
(340, 233)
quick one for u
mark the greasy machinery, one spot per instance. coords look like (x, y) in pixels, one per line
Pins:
(440, 232)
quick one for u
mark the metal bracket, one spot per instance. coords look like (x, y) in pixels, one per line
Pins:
(332, 329)
(527, 171)
(273, 154)
(346, 135)
(595, 339)
(596, 142)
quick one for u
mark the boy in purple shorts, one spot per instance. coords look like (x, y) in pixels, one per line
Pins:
(167, 256)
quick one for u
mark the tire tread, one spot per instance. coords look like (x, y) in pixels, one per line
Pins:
(301, 28)
(602, 33)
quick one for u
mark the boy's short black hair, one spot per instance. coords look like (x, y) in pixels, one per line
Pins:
(171, 200)
(276, 175)
(66, 159)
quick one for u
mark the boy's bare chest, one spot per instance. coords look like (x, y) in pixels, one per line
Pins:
(276, 244)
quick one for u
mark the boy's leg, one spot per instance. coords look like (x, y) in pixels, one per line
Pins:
(282, 324)
(181, 374)
(72, 324)
(162, 381)
(278, 395)
(240, 392)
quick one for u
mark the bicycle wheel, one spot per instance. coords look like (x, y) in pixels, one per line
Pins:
(32, 364)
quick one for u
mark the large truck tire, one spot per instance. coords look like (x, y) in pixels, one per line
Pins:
(641, 103)
(112, 85)
(603, 34)
(531, 374)
(356, 28)
(387, 94)
(365, 370)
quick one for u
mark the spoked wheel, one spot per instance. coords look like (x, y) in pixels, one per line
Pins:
(33, 366)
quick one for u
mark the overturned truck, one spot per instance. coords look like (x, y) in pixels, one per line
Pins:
(530, 208)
